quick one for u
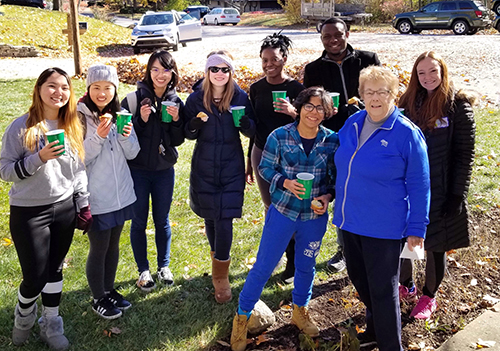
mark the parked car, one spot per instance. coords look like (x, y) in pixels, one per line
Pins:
(31, 3)
(222, 15)
(195, 9)
(496, 23)
(164, 29)
(495, 6)
(463, 17)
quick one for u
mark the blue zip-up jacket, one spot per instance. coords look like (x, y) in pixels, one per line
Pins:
(382, 187)
(284, 156)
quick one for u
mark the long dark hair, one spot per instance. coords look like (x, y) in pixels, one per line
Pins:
(168, 62)
(277, 41)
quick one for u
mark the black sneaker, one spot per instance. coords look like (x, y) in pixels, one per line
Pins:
(366, 340)
(118, 300)
(106, 309)
(337, 262)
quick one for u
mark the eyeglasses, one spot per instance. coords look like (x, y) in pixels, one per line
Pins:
(215, 69)
(310, 108)
(382, 93)
(158, 71)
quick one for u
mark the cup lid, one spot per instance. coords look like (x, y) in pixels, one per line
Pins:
(55, 132)
(305, 176)
(237, 108)
(168, 103)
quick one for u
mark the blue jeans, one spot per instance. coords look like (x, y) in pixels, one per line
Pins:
(277, 232)
(160, 184)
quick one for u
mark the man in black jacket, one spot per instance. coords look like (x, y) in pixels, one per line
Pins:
(337, 70)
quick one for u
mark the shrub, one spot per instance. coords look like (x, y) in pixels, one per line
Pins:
(292, 10)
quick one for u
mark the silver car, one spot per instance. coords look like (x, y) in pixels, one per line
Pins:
(164, 29)
(222, 15)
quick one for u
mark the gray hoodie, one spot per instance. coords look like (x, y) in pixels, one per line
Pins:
(110, 183)
(37, 183)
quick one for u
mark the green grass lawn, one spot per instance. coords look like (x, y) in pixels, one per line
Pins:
(184, 317)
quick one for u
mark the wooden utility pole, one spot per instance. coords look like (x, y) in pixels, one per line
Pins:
(75, 36)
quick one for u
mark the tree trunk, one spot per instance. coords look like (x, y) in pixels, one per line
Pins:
(56, 5)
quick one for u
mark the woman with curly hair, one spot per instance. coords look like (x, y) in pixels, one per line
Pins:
(447, 120)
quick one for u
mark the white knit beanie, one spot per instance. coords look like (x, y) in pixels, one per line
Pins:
(217, 59)
(102, 73)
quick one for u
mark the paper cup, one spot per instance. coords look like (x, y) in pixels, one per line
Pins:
(402, 111)
(278, 95)
(335, 99)
(165, 116)
(237, 112)
(306, 179)
(56, 134)
(122, 119)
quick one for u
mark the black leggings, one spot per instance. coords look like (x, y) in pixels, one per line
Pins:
(435, 268)
(220, 236)
(103, 260)
(42, 236)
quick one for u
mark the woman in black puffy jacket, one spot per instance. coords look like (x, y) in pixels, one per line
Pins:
(447, 120)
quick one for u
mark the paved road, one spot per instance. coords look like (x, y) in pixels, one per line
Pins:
(474, 61)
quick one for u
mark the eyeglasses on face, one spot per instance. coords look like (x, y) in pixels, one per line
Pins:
(215, 69)
(158, 70)
(310, 108)
(383, 93)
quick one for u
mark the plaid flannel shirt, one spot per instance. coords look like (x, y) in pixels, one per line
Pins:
(284, 156)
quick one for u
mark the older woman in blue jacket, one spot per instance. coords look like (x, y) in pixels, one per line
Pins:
(382, 197)
(217, 180)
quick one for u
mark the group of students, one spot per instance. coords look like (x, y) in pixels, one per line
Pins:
(375, 167)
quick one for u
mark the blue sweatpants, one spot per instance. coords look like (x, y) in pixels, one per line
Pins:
(277, 232)
(373, 267)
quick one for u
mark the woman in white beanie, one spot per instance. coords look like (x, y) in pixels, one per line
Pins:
(217, 180)
(110, 185)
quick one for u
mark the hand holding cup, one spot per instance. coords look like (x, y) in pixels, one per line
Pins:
(127, 129)
(295, 187)
(50, 151)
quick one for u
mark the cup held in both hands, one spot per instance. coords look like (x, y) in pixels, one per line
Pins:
(306, 179)
(56, 134)
(237, 112)
(165, 116)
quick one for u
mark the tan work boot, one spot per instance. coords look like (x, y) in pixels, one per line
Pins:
(302, 319)
(239, 333)
(220, 280)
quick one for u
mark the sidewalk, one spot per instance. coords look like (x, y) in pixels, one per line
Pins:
(486, 327)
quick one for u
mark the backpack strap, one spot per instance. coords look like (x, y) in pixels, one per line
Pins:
(132, 102)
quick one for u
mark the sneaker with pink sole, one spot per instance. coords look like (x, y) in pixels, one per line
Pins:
(424, 308)
(407, 295)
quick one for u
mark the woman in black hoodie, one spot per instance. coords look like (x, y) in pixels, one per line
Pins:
(153, 168)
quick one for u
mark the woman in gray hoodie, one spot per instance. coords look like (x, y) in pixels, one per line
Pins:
(110, 185)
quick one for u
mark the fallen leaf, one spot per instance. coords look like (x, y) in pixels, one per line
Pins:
(490, 301)
(115, 330)
(482, 343)
(286, 308)
(223, 343)
(262, 338)
(6, 242)
(473, 282)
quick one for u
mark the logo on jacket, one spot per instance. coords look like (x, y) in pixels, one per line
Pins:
(384, 142)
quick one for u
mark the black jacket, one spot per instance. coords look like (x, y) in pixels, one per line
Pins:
(451, 156)
(340, 77)
(217, 180)
(154, 132)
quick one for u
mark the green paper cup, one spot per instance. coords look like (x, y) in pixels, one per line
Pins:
(56, 134)
(165, 116)
(335, 98)
(237, 112)
(306, 179)
(278, 95)
(402, 111)
(122, 119)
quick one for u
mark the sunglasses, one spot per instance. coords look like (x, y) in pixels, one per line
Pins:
(215, 69)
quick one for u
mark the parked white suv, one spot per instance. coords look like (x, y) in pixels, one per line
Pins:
(164, 29)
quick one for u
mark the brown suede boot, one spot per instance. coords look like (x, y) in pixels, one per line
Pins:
(239, 333)
(302, 319)
(220, 280)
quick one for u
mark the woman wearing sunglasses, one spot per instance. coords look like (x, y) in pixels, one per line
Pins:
(217, 178)
(303, 146)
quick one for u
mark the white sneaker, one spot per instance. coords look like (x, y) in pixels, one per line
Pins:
(146, 282)
(165, 276)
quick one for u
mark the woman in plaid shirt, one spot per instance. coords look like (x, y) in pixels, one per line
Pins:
(302, 146)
